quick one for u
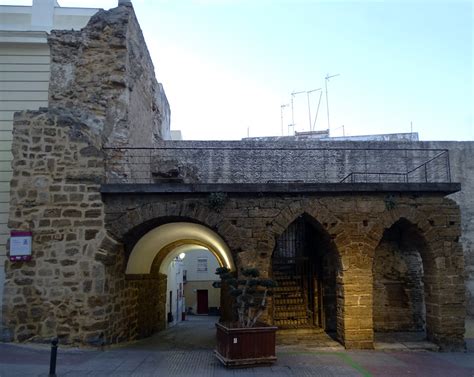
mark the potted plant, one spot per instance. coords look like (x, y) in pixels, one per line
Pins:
(245, 341)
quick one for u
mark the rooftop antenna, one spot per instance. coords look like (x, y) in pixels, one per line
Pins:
(292, 109)
(343, 130)
(281, 113)
(317, 110)
(327, 101)
(309, 106)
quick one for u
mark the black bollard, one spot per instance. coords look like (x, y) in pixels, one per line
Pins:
(54, 354)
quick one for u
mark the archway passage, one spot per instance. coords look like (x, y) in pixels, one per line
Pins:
(305, 265)
(399, 310)
(162, 262)
(162, 240)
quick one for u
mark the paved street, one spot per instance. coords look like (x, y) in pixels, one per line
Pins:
(186, 350)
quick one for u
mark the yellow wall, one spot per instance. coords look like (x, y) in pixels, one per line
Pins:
(190, 294)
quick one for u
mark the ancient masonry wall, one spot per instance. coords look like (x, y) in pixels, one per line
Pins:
(106, 71)
(75, 286)
(398, 287)
(103, 91)
(57, 168)
(250, 226)
(254, 161)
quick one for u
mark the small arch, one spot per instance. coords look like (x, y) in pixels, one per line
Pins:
(161, 241)
(402, 274)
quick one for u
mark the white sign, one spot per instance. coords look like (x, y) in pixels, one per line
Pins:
(20, 246)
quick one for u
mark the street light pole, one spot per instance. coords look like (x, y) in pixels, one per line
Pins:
(327, 100)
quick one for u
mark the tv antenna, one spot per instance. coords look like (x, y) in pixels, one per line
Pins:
(326, 79)
(282, 107)
(292, 108)
(311, 127)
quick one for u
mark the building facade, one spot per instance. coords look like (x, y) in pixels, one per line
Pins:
(201, 297)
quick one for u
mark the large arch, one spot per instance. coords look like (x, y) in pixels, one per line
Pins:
(159, 242)
(150, 281)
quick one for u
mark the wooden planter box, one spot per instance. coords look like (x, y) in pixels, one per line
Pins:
(245, 347)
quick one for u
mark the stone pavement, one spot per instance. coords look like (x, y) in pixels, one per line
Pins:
(186, 350)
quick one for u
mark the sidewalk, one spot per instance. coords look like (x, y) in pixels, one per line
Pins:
(166, 355)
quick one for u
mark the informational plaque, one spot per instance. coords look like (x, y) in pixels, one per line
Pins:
(20, 246)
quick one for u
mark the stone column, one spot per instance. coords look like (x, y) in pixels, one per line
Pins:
(445, 290)
(354, 291)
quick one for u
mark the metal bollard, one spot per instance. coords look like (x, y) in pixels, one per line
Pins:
(52, 361)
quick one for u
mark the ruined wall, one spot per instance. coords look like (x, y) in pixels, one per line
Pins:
(250, 224)
(57, 169)
(102, 91)
(74, 287)
(105, 70)
(253, 161)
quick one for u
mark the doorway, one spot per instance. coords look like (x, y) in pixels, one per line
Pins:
(304, 265)
(202, 301)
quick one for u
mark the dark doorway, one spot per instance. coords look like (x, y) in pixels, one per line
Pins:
(305, 267)
(202, 301)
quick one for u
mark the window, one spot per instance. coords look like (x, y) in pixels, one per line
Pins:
(202, 265)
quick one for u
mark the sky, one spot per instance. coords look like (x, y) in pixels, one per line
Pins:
(228, 66)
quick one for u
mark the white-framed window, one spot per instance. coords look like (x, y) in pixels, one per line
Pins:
(202, 265)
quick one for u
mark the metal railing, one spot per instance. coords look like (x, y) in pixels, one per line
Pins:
(427, 173)
(229, 164)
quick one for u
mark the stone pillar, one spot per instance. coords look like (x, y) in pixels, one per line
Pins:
(356, 310)
(354, 291)
(445, 293)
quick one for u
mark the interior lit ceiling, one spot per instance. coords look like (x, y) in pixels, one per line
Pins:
(172, 239)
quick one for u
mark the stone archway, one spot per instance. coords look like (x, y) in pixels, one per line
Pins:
(305, 262)
(164, 239)
(147, 270)
(332, 229)
(398, 280)
(442, 258)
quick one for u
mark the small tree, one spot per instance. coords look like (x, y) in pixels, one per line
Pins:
(251, 293)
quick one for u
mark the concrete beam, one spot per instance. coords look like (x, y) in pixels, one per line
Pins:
(283, 188)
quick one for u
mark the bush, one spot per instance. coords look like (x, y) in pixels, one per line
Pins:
(250, 293)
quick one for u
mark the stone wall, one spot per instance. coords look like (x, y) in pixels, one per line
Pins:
(261, 162)
(57, 169)
(254, 161)
(250, 224)
(102, 92)
(398, 284)
(105, 70)
(75, 287)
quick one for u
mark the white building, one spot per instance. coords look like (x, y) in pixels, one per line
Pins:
(24, 79)
(175, 292)
(200, 267)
